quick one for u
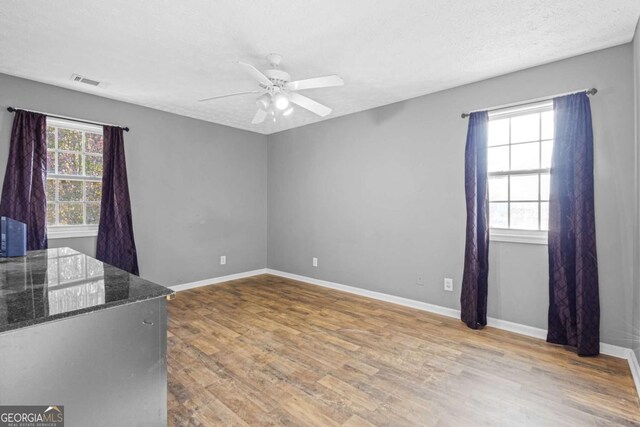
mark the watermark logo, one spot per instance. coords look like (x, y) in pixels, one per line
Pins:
(32, 416)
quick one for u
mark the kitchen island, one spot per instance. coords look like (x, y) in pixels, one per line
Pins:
(83, 334)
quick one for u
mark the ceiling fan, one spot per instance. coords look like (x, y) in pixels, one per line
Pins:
(278, 91)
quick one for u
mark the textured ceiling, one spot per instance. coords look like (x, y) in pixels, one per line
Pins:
(167, 54)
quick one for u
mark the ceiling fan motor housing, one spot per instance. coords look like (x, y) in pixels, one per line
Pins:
(278, 77)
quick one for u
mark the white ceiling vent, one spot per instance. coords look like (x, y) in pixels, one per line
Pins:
(80, 79)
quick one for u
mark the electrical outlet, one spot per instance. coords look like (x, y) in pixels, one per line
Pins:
(223, 260)
(420, 279)
(315, 262)
(448, 284)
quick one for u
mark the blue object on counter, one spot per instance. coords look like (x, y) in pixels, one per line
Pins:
(14, 238)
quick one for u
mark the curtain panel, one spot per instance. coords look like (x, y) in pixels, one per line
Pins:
(24, 196)
(574, 307)
(473, 298)
(116, 244)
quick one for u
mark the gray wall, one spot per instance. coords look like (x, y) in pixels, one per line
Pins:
(636, 234)
(378, 196)
(198, 189)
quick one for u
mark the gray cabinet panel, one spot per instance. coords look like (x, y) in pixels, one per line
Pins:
(107, 367)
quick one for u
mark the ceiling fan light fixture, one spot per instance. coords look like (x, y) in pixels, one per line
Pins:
(278, 92)
(263, 101)
(281, 101)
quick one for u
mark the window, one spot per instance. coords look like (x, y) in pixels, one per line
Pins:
(519, 160)
(74, 178)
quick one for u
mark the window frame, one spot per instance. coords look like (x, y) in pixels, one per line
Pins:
(79, 230)
(514, 235)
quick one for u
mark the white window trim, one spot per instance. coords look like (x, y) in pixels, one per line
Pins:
(70, 124)
(71, 231)
(503, 113)
(510, 235)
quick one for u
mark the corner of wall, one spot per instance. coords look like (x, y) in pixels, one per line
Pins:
(266, 256)
(636, 247)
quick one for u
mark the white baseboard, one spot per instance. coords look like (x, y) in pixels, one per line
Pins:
(635, 368)
(608, 349)
(615, 350)
(518, 328)
(445, 311)
(216, 280)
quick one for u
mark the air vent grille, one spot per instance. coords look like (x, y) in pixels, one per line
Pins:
(78, 78)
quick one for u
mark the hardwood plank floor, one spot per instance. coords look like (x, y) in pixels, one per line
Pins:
(271, 351)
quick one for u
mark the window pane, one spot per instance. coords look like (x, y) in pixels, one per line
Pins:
(93, 143)
(70, 190)
(93, 213)
(69, 139)
(498, 132)
(547, 149)
(498, 216)
(544, 186)
(69, 164)
(51, 137)
(51, 190)
(525, 156)
(73, 201)
(524, 216)
(525, 128)
(93, 165)
(524, 187)
(51, 162)
(51, 213)
(547, 125)
(499, 188)
(70, 213)
(93, 191)
(498, 159)
(544, 216)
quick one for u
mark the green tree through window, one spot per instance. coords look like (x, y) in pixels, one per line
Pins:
(74, 174)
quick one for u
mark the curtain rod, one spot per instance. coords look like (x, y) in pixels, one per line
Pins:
(591, 91)
(13, 109)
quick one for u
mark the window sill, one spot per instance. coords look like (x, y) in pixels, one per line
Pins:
(71, 232)
(531, 237)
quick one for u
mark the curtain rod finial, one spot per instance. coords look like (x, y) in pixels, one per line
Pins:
(126, 129)
(11, 109)
(464, 115)
(592, 91)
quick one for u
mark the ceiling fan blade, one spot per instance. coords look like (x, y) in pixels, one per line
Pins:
(309, 104)
(231, 94)
(255, 73)
(316, 82)
(259, 117)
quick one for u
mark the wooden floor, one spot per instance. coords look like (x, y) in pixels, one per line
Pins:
(271, 351)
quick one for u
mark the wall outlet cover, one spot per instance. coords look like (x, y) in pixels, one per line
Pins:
(315, 262)
(223, 260)
(420, 279)
(448, 284)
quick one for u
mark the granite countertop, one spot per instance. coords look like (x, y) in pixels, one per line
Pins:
(52, 284)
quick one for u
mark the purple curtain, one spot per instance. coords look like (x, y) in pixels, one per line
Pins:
(473, 299)
(116, 245)
(24, 196)
(574, 307)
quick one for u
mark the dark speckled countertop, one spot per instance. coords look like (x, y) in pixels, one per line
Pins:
(52, 284)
